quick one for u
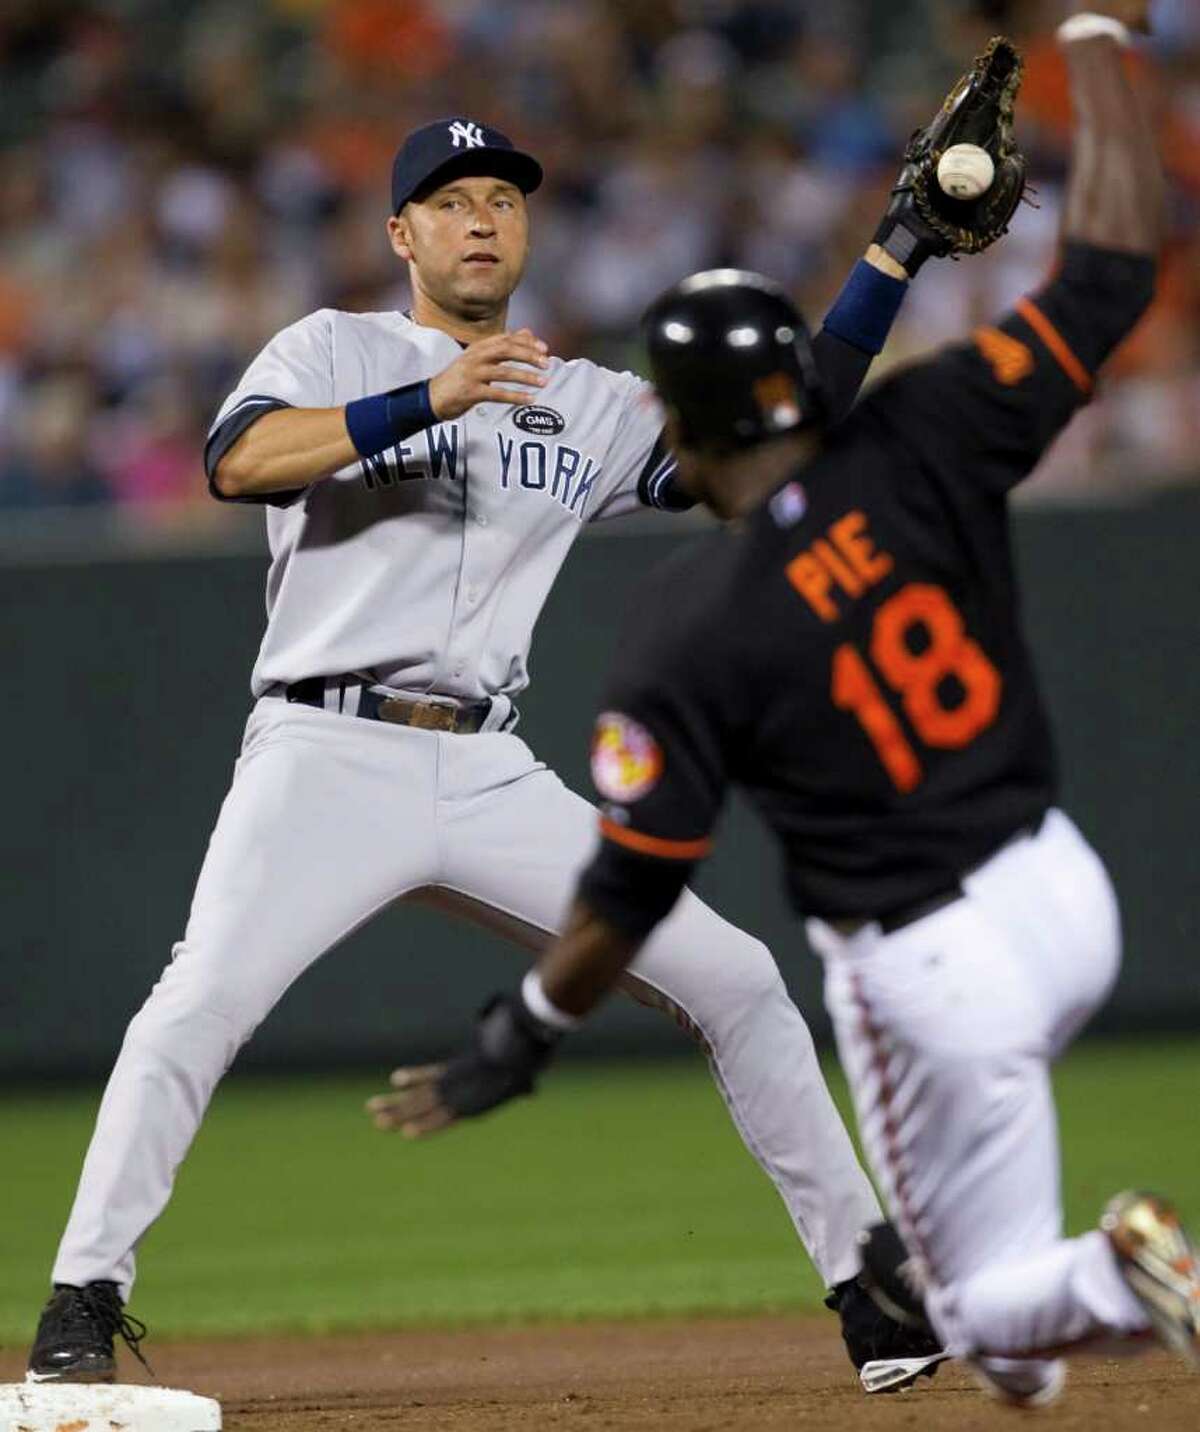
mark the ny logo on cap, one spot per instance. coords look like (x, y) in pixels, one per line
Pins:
(467, 132)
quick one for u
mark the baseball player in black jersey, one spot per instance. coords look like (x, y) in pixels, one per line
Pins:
(849, 651)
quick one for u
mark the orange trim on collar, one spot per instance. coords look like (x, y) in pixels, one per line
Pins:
(653, 844)
(1056, 343)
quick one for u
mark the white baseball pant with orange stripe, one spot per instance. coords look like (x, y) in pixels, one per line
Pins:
(947, 1029)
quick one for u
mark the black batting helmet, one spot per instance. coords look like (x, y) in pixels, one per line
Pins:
(732, 356)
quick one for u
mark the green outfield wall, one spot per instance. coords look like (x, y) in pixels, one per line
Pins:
(126, 689)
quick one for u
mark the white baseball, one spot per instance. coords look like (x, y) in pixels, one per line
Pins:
(965, 171)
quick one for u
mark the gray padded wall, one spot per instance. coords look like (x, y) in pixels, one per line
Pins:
(127, 688)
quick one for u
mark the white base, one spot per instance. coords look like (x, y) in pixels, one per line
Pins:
(104, 1407)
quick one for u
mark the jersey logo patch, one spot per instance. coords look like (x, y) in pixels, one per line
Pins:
(626, 759)
(1011, 361)
(545, 422)
(467, 132)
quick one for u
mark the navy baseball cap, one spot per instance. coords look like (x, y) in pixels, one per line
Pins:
(449, 148)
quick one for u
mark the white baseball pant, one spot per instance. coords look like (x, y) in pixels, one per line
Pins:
(946, 1029)
(329, 819)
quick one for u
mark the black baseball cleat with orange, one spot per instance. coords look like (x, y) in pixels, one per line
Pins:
(74, 1341)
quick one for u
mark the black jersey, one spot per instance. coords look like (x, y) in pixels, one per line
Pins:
(852, 654)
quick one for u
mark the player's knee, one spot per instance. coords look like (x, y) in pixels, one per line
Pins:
(713, 987)
(747, 986)
(1021, 1382)
(195, 1002)
(756, 976)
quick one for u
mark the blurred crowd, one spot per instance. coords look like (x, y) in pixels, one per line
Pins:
(181, 178)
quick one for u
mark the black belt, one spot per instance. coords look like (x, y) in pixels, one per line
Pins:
(460, 719)
(889, 921)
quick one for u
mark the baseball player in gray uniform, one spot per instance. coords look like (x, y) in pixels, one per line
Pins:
(424, 475)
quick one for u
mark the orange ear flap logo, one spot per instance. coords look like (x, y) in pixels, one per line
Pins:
(1010, 360)
(777, 399)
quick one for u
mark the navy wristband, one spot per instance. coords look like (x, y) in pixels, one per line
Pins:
(385, 419)
(864, 311)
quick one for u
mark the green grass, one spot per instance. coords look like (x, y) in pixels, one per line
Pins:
(620, 1191)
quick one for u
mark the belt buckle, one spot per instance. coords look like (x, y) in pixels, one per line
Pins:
(432, 716)
(423, 715)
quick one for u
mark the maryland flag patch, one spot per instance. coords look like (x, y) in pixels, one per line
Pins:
(626, 759)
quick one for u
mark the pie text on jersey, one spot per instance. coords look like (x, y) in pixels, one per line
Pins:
(845, 563)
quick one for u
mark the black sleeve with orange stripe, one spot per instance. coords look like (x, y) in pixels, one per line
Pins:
(993, 405)
(656, 825)
(632, 892)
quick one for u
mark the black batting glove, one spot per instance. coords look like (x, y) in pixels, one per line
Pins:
(509, 1049)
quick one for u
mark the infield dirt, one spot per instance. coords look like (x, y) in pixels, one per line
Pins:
(742, 1374)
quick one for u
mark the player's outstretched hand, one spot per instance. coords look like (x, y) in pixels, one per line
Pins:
(483, 370)
(417, 1108)
(510, 1048)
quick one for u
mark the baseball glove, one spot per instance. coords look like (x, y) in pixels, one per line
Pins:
(921, 221)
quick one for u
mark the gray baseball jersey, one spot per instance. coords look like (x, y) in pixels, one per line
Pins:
(427, 566)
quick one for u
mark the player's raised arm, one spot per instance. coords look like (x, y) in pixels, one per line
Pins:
(984, 412)
(264, 444)
(924, 221)
(1114, 218)
(857, 327)
(1116, 195)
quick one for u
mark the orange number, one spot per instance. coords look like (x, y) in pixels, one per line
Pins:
(916, 676)
(950, 652)
(854, 689)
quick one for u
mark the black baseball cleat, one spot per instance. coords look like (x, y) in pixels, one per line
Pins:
(74, 1341)
(889, 1357)
(892, 1277)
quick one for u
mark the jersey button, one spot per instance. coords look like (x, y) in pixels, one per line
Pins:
(480, 519)
(472, 595)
